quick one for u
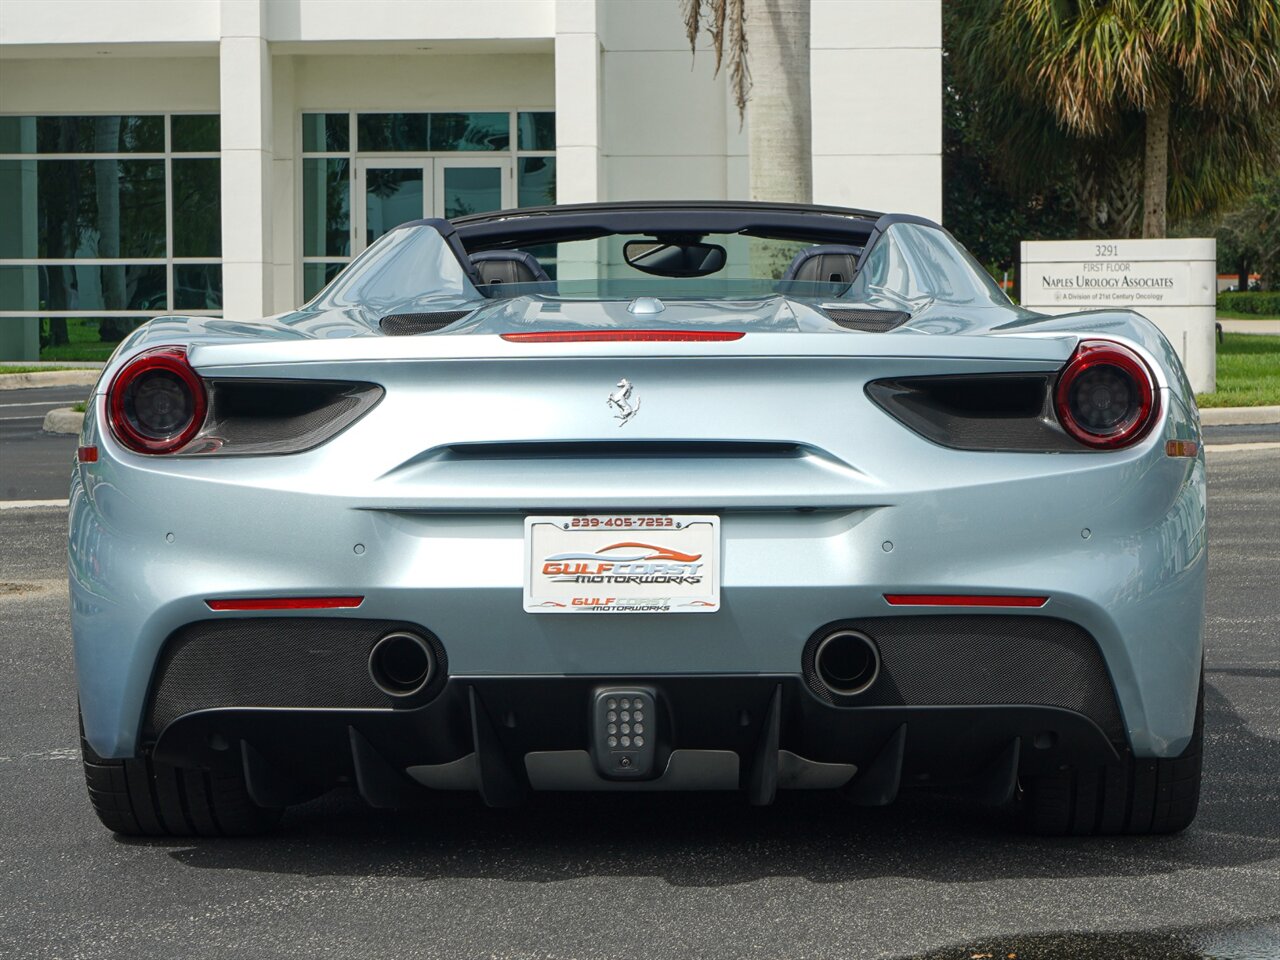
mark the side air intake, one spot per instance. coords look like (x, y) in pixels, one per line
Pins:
(867, 320)
(408, 324)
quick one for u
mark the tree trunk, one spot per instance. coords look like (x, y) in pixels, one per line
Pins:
(1242, 274)
(778, 113)
(1155, 169)
(108, 187)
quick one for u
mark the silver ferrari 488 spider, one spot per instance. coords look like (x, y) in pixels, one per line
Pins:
(643, 496)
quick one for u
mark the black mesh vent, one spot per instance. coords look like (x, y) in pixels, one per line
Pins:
(956, 660)
(272, 662)
(407, 324)
(868, 321)
(275, 429)
(279, 416)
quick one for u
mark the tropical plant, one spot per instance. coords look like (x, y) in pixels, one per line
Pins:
(992, 216)
(1249, 236)
(769, 77)
(1170, 100)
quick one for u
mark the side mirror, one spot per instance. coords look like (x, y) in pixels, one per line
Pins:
(674, 259)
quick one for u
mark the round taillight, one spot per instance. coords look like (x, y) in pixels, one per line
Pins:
(1106, 396)
(157, 402)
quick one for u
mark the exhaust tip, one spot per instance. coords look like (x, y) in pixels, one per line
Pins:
(847, 662)
(401, 664)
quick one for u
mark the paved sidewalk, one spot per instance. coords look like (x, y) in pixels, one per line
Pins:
(1220, 416)
(1250, 326)
(79, 364)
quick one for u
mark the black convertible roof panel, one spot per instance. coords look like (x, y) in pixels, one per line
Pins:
(533, 225)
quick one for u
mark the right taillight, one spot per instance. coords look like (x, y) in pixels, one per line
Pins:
(1105, 396)
(157, 402)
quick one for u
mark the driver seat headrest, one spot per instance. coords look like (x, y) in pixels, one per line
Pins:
(825, 263)
(508, 266)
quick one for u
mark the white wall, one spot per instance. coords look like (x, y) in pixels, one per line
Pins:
(425, 82)
(105, 22)
(141, 22)
(666, 131)
(108, 84)
(876, 76)
(348, 20)
(670, 128)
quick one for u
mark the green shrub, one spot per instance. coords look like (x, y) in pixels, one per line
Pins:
(1259, 304)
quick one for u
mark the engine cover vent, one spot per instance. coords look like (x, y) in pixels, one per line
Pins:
(867, 320)
(408, 324)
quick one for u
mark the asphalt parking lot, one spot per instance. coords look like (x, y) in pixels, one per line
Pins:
(653, 876)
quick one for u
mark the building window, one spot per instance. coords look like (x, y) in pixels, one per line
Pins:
(108, 221)
(364, 173)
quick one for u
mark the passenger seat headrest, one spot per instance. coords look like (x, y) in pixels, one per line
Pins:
(508, 266)
(825, 263)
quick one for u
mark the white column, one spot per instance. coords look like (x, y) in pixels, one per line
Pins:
(577, 102)
(286, 218)
(247, 152)
(876, 84)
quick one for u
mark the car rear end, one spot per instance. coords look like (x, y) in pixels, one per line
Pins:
(780, 560)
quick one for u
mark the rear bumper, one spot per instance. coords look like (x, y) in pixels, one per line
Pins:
(504, 736)
(151, 541)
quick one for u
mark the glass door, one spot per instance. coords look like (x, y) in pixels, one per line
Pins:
(389, 193)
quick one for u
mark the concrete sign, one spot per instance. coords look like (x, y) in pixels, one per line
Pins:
(1173, 283)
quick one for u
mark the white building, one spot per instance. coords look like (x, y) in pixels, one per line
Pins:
(226, 156)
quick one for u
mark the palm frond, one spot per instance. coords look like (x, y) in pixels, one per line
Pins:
(715, 28)
(691, 13)
(739, 69)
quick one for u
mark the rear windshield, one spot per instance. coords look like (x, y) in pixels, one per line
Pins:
(415, 266)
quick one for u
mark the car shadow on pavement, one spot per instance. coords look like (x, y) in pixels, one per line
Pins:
(717, 840)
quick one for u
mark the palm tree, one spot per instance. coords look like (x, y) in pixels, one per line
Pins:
(1197, 78)
(773, 87)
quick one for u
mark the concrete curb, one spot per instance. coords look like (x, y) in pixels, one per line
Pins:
(63, 420)
(1258, 447)
(49, 378)
(1231, 416)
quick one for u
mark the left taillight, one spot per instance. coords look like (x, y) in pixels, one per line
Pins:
(1106, 396)
(157, 403)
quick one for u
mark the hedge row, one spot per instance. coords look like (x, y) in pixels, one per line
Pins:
(1263, 304)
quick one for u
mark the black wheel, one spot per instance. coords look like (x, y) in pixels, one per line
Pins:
(1136, 796)
(142, 798)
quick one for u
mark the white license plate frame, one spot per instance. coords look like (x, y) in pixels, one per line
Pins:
(622, 563)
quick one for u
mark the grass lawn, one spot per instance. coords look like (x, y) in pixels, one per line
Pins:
(84, 345)
(1248, 372)
(1233, 315)
(21, 368)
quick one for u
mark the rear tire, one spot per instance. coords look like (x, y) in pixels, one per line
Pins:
(143, 798)
(1135, 796)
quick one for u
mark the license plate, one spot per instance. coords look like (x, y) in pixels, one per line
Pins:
(624, 563)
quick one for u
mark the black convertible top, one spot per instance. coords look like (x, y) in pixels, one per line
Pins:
(587, 221)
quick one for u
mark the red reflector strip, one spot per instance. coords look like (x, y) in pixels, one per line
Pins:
(1181, 448)
(285, 603)
(961, 600)
(614, 336)
(90, 454)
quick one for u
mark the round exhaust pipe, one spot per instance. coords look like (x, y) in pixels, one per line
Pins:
(401, 664)
(847, 662)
